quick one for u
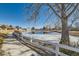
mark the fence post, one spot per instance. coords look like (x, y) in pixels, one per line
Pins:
(31, 39)
(57, 49)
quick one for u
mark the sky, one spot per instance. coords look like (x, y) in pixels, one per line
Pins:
(14, 14)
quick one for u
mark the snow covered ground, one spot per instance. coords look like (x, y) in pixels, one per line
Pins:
(52, 37)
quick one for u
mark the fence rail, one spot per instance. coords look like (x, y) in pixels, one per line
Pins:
(56, 45)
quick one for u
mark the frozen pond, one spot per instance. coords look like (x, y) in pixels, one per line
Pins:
(51, 36)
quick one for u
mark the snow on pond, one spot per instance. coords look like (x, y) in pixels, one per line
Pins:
(52, 37)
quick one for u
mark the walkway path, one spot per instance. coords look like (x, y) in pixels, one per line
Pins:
(15, 48)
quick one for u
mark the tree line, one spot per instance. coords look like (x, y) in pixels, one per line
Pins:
(10, 27)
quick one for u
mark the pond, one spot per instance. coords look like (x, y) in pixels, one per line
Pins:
(53, 33)
(50, 36)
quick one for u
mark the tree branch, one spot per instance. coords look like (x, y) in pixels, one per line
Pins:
(54, 10)
(72, 10)
(67, 8)
(36, 12)
(48, 17)
(58, 6)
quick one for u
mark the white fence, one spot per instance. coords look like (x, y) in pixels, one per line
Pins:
(56, 45)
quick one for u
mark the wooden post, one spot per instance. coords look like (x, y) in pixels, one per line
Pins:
(31, 39)
(56, 49)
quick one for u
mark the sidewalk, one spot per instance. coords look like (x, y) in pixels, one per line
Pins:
(17, 49)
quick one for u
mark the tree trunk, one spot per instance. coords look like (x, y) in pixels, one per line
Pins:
(65, 32)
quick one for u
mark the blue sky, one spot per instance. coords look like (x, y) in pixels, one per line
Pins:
(13, 14)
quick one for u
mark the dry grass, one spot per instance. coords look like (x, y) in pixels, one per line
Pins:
(74, 33)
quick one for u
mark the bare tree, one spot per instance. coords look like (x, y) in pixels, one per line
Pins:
(17, 27)
(62, 11)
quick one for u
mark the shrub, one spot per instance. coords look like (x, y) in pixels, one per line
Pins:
(1, 44)
(69, 52)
